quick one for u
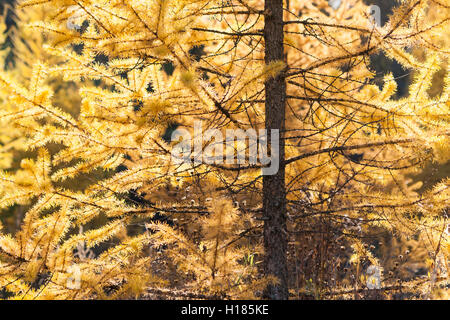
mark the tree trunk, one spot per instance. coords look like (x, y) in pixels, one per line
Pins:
(274, 189)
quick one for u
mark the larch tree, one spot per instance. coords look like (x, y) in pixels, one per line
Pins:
(239, 140)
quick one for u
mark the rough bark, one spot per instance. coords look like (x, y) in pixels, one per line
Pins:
(274, 190)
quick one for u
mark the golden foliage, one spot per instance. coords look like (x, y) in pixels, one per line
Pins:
(92, 79)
